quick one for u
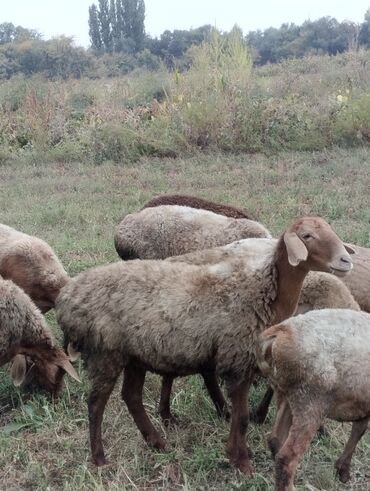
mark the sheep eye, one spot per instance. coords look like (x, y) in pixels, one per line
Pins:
(306, 236)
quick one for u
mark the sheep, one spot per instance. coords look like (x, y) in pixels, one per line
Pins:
(32, 265)
(170, 317)
(168, 230)
(359, 280)
(200, 203)
(318, 364)
(319, 291)
(24, 333)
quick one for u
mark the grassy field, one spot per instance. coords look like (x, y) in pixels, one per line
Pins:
(75, 207)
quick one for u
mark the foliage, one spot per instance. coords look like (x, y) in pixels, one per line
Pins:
(117, 26)
(220, 102)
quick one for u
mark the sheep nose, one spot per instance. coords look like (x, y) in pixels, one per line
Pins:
(346, 262)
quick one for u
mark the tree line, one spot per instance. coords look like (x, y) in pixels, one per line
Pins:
(119, 44)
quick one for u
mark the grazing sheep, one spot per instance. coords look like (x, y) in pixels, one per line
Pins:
(359, 280)
(163, 231)
(24, 333)
(32, 265)
(199, 203)
(178, 318)
(318, 364)
(319, 291)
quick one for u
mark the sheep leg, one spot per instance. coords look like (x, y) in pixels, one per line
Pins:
(287, 459)
(98, 399)
(132, 394)
(343, 464)
(236, 446)
(282, 424)
(164, 401)
(260, 414)
(214, 391)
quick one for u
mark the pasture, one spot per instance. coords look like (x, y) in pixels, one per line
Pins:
(75, 207)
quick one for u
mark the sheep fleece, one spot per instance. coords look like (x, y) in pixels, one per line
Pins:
(171, 317)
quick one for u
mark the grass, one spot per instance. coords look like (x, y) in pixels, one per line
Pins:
(75, 207)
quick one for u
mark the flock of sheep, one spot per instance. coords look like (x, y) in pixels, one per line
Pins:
(202, 289)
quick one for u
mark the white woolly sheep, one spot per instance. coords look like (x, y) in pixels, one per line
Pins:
(24, 333)
(318, 364)
(32, 265)
(179, 318)
(163, 231)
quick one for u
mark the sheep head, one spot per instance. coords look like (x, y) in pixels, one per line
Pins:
(311, 244)
(42, 367)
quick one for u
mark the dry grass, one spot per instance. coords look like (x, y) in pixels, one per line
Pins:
(44, 445)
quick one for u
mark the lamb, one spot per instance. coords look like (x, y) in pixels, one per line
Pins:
(156, 233)
(319, 291)
(170, 317)
(199, 203)
(24, 333)
(318, 364)
(32, 265)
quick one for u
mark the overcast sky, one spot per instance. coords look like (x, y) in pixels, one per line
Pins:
(70, 17)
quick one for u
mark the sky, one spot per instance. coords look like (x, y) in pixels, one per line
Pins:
(70, 17)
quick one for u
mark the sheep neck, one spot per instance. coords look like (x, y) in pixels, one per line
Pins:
(289, 284)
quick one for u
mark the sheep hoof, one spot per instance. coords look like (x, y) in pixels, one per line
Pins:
(169, 420)
(245, 466)
(99, 460)
(343, 472)
(157, 442)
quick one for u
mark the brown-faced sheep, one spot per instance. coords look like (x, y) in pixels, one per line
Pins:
(24, 333)
(319, 291)
(163, 231)
(318, 364)
(32, 265)
(179, 318)
(199, 203)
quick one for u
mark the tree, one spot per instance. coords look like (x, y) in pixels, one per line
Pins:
(94, 31)
(105, 25)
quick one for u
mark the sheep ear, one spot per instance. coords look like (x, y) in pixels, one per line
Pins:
(296, 249)
(18, 370)
(64, 363)
(350, 248)
(72, 353)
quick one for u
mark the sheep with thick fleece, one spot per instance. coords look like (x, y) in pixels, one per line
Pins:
(168, 230)
(196, 202)
(24, 333)
(179, 318)
(32, 265)
(319, 291)
(318, 364)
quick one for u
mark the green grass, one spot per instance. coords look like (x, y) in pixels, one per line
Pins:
(75, 207)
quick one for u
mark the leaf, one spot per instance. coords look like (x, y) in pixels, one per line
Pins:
(13, 427)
